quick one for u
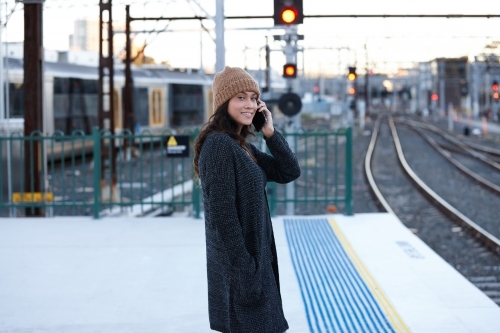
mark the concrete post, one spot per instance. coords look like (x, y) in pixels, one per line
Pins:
(220, 50)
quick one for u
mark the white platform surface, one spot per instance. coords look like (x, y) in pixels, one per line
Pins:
(65, 275)
(429, 294)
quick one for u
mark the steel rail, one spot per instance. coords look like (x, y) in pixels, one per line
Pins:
(368, 168)
(481, 234)
(485, 149)
(484, 182)
(470, 150)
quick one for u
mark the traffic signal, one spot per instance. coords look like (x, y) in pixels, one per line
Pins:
(290, 104)
(290, 71)
(287, 12)
(494, 86)
(352, 74)
(434, 97)
(464, 89)
(352, 91)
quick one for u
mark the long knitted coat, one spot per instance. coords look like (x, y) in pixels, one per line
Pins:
(243, 293)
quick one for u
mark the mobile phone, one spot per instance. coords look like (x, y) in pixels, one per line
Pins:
(259, 119)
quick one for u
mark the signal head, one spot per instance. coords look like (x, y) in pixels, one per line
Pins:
(287, 12)
(290, 71)
(352, 74)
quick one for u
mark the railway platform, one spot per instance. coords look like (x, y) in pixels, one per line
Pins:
(361, 273)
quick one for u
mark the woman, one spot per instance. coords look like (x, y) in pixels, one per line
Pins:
(242, 266)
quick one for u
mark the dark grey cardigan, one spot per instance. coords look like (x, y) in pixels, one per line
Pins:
(243, 294)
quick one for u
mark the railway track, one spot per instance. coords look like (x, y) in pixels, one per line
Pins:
(459, 235)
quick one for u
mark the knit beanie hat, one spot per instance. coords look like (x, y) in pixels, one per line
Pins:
(229, 82)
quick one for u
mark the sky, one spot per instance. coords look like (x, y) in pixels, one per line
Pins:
(383, 45)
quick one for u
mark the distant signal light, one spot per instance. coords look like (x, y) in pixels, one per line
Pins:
(434, 97)
(289, 15)
(288, 12)
(495, 95)
(290, 71)
(352, 91)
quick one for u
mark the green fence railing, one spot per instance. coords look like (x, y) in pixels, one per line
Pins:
(325, 184)
(77, 176)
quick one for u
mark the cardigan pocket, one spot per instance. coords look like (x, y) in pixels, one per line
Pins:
(249, 286)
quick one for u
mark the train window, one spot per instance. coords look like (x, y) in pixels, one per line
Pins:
(141, 106)
(156, 108)
(187, 105)
(75, 104)
(16, 100)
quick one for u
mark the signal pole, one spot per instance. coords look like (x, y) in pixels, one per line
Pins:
(220, 50)
(294, 121)
(106, 90)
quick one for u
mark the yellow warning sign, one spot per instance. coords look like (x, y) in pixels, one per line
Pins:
(178, 146)
(172, 141)
(32, 197)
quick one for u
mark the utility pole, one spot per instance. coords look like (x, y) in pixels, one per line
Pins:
(128, 117)
(268, 68)
(442, 78)
(3, 114)
(33, 98)
(367, 85)
(106, 90)
(294, 122)
(220, 57)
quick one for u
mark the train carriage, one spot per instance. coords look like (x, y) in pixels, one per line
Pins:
(163, 98)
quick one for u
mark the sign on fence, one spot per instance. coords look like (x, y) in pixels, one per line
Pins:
(178, 146)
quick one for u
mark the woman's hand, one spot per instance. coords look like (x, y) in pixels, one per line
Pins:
(268, 128)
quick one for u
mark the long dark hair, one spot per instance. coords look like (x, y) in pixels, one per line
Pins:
(221, 122)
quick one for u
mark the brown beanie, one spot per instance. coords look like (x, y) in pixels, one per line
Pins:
(229, 82)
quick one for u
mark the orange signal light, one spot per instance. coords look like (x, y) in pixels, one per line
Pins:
(290, 70)
(289, 15)
(352, 91)
(495, 95)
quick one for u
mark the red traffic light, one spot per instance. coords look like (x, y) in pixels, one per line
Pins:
(495, 86)
(288, 12)
(290, 71)
(316, 89)
(289, 15)
(434, 97)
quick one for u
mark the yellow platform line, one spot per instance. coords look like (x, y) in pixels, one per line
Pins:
(392, 314)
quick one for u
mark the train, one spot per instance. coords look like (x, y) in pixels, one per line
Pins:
(163, 98)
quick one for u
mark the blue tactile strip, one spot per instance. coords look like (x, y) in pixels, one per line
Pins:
(336, 298)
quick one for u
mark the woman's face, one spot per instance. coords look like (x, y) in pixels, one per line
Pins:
(242, 108)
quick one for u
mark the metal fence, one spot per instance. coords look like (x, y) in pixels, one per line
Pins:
(151, 178)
